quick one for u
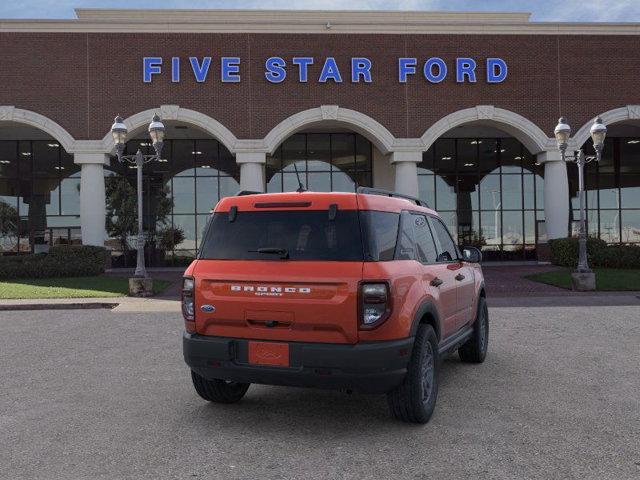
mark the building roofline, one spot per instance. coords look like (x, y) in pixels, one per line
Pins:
(310, 21)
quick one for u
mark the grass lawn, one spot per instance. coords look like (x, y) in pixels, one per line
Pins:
(607, 279)
(73, 287)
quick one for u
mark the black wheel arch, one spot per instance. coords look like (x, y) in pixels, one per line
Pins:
(427, 314)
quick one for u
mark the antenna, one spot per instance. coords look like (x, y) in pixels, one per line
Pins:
(300, 186)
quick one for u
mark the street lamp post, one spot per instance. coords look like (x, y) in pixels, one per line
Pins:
(583, 278)
(156, 132)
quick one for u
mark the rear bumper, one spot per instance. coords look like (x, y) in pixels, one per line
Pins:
(373, 367)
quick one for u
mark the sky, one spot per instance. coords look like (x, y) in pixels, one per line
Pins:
(542, 10)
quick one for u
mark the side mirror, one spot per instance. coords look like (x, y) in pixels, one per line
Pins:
(471, 255)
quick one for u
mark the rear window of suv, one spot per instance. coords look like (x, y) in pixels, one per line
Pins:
(304, 235)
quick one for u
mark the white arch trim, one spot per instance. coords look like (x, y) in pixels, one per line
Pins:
(516, 125)
(617, 115)
(382, 138)
(177, 113)
(10, 113)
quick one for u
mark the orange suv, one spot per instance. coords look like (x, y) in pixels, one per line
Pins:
(355, 291)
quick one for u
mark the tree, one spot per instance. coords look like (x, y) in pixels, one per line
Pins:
(122, 210)
(9, 223)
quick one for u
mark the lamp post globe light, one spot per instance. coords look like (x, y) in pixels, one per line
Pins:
(141, 284)
(583, 278)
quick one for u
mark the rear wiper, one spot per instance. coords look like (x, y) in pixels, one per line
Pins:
(283, 252)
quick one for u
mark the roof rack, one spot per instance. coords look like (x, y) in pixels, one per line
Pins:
(242, 193)
(389, 193)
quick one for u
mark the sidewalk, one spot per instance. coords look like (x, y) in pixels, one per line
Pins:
(117, 304)
(506, 287)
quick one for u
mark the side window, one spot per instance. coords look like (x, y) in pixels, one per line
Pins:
(405, 249)
(447, 251)
(424, 240)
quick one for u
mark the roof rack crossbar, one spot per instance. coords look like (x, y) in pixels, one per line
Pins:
(389, 193)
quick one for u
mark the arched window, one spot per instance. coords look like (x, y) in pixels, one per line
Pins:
(179, 192)
(489, 192)
(39, 194)
(325, 162)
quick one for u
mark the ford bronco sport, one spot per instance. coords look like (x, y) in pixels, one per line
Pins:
(356, 291)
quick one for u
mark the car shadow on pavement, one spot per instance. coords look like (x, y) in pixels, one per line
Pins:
(269, 411)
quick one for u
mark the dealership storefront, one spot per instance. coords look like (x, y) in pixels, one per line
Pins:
(458, 109)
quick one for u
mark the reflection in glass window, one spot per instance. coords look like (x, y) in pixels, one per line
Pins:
(39, 191)
(474, 182)
(325, 162)
(179, 192)
(612, 191)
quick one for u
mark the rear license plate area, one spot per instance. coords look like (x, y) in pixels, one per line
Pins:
(269, 353)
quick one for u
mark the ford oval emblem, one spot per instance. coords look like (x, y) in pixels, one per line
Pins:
(208, 308)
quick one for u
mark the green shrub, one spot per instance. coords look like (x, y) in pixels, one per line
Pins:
(619, 256)
(61, 261)
(564, 252)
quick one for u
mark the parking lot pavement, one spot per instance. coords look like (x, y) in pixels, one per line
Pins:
(102, 394)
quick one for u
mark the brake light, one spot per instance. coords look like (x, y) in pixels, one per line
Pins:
(375, 304)
(188, 305)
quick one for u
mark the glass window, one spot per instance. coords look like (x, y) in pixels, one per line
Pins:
(318, 153)
(445, 193)
(512, 228)
(630, 226)
(207, 194)
(325, 162)
(8, 159)
(610, 226)
(447, 251)
(426, 188)
(303, 235)
(512, 192)
(406, 243)
(425, 245)
(629, 155)
(445, 156)
(380, 231)
(488, 155)
(467, 154)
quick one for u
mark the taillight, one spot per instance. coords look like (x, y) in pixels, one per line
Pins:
(375, 304)
(188, 305)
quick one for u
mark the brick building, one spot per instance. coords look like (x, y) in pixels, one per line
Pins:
(457, 108)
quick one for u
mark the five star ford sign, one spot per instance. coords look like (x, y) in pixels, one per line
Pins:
(361, 69)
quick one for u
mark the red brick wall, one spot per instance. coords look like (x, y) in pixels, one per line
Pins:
(82, 80)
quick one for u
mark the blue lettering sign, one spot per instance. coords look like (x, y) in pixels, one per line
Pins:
(406, 66)
(496, 70)
(150, 66)
(428, 70)
(200, 71)
(330, 71)
(175, 69)
(303, 67)
(465, 67)
(276, 72)
(434, 69)
(230, 69)
(360, 67)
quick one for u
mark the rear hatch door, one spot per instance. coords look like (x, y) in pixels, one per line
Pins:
(286, 271)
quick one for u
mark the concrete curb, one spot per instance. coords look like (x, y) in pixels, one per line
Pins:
(57, 306)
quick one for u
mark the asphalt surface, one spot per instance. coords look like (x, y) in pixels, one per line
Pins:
(102, 394)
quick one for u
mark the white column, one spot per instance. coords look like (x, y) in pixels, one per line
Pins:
(556, 194)
(406, 170)
(251, 170)
(92, 197)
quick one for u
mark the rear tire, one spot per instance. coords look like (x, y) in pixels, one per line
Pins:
(475, 350)
(219, 391)
(415, 399)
